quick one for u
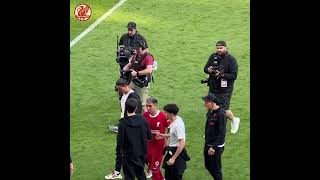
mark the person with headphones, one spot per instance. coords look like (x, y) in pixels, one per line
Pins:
(141, 67)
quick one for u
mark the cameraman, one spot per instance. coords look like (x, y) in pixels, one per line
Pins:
(222, 68)
(129, 41)
(140, 65)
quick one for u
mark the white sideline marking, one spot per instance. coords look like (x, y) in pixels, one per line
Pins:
(75, 40)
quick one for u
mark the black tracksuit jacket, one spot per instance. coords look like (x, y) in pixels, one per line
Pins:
(215, 129)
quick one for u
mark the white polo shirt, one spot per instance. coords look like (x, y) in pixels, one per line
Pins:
(177, 131)
(123, 102)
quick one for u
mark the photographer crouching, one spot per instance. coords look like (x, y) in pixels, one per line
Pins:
(222, 68)
(141, 66)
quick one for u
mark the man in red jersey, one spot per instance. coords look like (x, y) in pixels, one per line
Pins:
(158, 123)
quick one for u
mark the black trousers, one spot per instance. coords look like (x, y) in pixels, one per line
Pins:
(132, 169)
(213, 163)
(118, 158)
(175, 171)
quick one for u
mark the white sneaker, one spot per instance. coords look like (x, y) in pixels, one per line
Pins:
(235, 125)
(113, 128)
(149, 174)
(113, 175)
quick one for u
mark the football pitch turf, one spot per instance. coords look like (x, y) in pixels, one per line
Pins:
(181, 35)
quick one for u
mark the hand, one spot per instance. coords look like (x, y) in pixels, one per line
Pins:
(210, 69)
(171, 161)
(133, 73)
(211, 151)
(158, 135)
(217, 74)
(71, 168)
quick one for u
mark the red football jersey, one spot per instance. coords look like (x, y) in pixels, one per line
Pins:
(159, 122)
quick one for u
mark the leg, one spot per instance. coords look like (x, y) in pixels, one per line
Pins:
(216, 162)
(142, 92)
(179, 167)
(208, 161)
(168, 172)
(118, 159)
(128, 170)
(149, 160)
(235, 121)
(139, 171)
(156, 163)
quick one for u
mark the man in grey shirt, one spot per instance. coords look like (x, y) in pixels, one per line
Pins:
(175, 155)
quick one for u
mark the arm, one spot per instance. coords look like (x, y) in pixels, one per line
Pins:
(149, 135)
(206, 68)
(178, 151)
(166, 139)
(146, 50)
(162, 135)
(149, 62)
(139, 106)
(146, 71)
(232, 75)
(129, 65)
(122, 39)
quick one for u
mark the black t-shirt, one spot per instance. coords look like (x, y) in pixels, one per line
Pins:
(131, 41)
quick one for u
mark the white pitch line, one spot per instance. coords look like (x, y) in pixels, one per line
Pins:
(75, 40)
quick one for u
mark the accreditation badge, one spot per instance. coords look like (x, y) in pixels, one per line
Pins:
(224, 83)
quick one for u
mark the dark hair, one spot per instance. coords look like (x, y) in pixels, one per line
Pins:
(141, 44)
(171, 108)
(131, 105)
(221, 43)
(122, 82)
(152, 99)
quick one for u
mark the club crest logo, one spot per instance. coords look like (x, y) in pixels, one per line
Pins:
(82, 12)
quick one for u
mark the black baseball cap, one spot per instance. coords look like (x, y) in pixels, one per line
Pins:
(221, 43)
(212, 98)
(132, 25)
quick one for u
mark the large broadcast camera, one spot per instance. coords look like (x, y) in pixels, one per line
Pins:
(216, 67)
(141, 81)
(123, 53)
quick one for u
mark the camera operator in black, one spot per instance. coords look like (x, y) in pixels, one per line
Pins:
(215, 132)
(222, 68)
(129, 40)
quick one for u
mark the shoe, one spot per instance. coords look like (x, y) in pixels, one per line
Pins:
(113, 128)
(235, 125)
(149, 174)
(113, 175)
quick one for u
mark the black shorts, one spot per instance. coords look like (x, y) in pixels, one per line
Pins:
(225, 99)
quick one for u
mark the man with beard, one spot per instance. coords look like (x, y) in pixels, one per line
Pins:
(222, 68)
